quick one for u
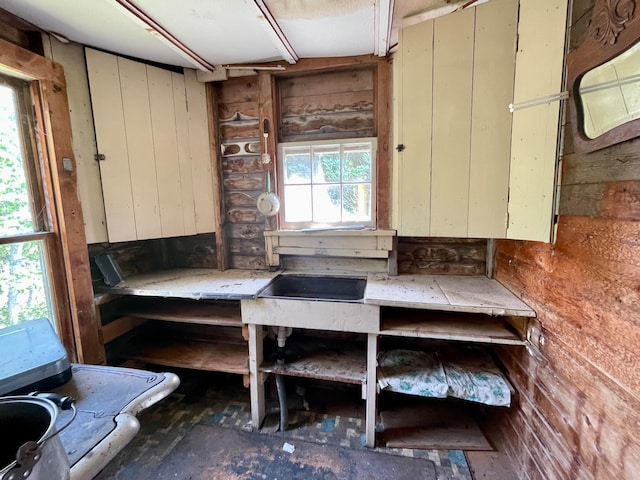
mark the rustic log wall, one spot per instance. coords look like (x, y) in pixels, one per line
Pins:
(433, 256)
(312, 106)
(240, 135)
(335, 104)
(579, 409)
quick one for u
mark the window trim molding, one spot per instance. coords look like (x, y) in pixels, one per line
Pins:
(69, 259)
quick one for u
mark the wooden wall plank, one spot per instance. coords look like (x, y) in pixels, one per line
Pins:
(238, 90)
(193, 251)
(139, 140)
(441, 256)
(111, 139)
(165, 149)
(351, 80)
(539, 69)
(338, 104)
(620, 162)
(384, 167)
(615, 200)
(452, 90)
(201, 155)
(494, 66)
(183, 153)
(413, 69)
(71, 57)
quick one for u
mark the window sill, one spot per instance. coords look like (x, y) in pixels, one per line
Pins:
(328, 243)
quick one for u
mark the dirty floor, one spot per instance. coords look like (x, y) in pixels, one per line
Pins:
(203, 431)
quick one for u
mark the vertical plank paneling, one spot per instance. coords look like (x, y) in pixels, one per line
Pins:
(71, 57)
(184, 157)
(413, 166)
(200, 153)
(111, 138)
(539, 69)
(165, 147)
(494, 65)
(452, 92)
(137, 121)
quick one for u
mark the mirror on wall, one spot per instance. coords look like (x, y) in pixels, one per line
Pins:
(610, 93)
(603, 77)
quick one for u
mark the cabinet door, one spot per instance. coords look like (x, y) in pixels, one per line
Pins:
(152, 127)
(453, 84)
(111, 137)
(534, 151)
(412, 68)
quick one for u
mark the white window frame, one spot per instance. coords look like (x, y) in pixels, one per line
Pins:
(373, 141)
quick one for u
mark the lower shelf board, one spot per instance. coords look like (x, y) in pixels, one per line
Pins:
(346, 366)
(225, 357)
(450, 326)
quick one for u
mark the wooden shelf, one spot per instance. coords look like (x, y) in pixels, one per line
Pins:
(449, 326)
(212, 356)
(186, 311)
(343, 364)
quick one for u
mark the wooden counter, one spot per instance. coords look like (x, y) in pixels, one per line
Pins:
(206, 298)
(449, 293)
(194, 283)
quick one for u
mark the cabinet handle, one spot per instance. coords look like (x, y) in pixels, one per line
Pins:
(400, 147)
(99, 157)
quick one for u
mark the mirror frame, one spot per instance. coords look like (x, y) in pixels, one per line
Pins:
(614, 28)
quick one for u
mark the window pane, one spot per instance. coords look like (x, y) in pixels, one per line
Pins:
(297, 203)
(24, 289)
(297, 165)
(16, 213)
(326, 164)
(356, 203)
(357, 163)
(326, 203)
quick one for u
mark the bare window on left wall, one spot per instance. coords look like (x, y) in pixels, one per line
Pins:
(25, 221)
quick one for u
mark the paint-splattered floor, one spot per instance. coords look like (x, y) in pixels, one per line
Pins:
(220, 401)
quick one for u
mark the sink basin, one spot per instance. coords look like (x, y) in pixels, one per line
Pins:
(313, 287)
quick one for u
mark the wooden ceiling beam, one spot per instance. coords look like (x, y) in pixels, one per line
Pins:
(382, 26)
(146, 21)
(273, 29)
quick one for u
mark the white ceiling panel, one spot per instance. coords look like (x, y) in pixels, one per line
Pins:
(220, 31)
(96, 23)
(329, 28)
(204, 33)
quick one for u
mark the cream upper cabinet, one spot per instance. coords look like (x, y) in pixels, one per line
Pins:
(152, 129)
(453, 83)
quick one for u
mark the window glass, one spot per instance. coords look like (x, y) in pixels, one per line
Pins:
(24, 279)
(16, 213)
(297, 165)
(24, 289)
(328, 183)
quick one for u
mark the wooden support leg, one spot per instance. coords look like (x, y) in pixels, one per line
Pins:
(371, 401)
(256, 384)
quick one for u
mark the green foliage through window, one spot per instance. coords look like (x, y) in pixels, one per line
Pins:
(23, 280)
